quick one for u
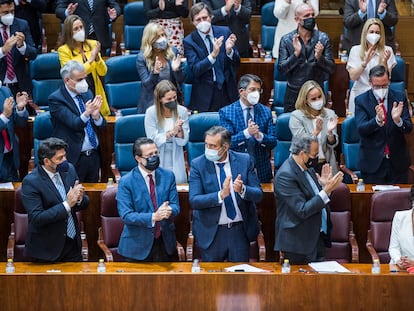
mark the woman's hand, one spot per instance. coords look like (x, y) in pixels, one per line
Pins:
(332, 123)
(176, 63)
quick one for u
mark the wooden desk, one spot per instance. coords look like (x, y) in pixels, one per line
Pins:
(171, 286)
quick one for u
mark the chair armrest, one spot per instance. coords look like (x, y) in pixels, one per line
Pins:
(190, 246)
(103, 247)
(180, 251)
(11, 243)
(261, 245)
(85, 249)
(31, 165)
(354, 244)
(371, 248)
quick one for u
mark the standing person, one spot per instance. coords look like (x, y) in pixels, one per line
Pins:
(166, 123)
(223, 192)
(303, 222)
(168, 15)
(357, 12)
(75, 46)
(304, 54)
(313, 118)
(284, 11)
(76, 119)
(51, 195)
(236, 15)
(157, 61)
(213, 60)
(382, 118)
(371, 52)
(147, 204)
(251, 126)
(97, 15)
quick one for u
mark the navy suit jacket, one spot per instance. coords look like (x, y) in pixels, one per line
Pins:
(203, 196)
(48, 217)
(66, 121)
(135, 208)
(196, 53)
(232, 118)
(374, 137)
(19, 60)
(298, 213)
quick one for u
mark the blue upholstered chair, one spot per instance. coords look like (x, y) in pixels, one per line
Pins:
(134, 23)
(350, 141)
(398, 75)
(199, 123)
(284, 138)
(122, 84)
(42, 129)
(269, 24)
(45, 75)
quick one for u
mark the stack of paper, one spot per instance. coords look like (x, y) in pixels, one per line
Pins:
(328, 267)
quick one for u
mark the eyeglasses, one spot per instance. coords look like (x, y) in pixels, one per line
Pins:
(252, 89)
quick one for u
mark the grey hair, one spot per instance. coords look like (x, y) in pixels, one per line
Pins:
(224, 133)
(70, 67)
(246, 79)
(302, 143)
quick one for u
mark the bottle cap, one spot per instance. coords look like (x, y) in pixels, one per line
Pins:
(9, 260)
(360, 180)
(286, 261)
(101, 260)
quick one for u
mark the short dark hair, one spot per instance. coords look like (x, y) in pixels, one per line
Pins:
(246, 79)
(139, 142)
(378, 71)
(302, 142)
(197, 8)
(6, 2)
(224, 133)
(48, 148)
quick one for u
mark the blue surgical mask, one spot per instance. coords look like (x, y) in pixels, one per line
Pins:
(211, 154)
(161, 44)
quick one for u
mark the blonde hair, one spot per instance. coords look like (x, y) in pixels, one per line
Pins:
(162, 88)
(364, 42)
(149, 37)
(301, 101)
(67, 34)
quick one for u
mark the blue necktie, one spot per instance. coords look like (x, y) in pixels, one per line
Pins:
(217, 69)
(248, 116)
(324, 225)
(70, 230)
(228, 201)
(89, 128)
(371, 9)
(91, 29)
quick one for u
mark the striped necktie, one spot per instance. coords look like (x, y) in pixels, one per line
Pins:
(70, 230)
(9, 70)
(89, 128)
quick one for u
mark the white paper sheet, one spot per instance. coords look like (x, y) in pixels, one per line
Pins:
(328, 267)
(244, 268)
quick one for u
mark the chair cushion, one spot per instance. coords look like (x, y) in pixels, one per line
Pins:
(134, 23)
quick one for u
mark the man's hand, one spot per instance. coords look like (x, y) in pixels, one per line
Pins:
(238, 184)
(225, 190)
(396, 111)
(8, 45)
(22, 99)
(217, 43)
(230, 43)
(20, 37)
(8, 107)
(380, 112)
(319, 50)
(326, 174)
(252, 128)
(112, 13)
(229, 5)
(332, 183)
(163, 212)
(75, 194)
(72, 8)
(362, 5)
(381, 7)
(296, 45)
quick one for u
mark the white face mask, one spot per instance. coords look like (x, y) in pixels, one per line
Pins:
(373, 38)
(317, 104)
(79, 36)
(81, 86)
(211, 154)
(253, 97)
(7, 19)
(380, 93)
(204, 26)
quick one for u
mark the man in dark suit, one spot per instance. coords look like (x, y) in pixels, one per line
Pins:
(11, 115)
(147, 203)
(356, 13)
(302, 216)
(251, 126)
(76, 118)
(236, 15)
(212, 59)
(96, 18)
(223, 192)
(16, 46)
(382, 117)
(52, 195)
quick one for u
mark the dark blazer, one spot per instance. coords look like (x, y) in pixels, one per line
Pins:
(231, 117)
(238, 23)
(298, 213)
(32, 13)
(201, 68)
(354, 23)
(66, 121)
(374, 137)
(135, 208)
(19, 60)
(48, 218)
(98, 17)
(203, 196)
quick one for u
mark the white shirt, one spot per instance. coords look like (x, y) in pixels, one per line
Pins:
(402, 236)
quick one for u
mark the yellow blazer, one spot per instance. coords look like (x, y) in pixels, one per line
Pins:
(97, 69)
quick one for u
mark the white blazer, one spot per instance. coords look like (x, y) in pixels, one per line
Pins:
(402, 238)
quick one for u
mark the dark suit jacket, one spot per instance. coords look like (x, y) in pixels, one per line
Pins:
(231, 117)
(98, 17)
(19, 60)
(66, 121)
(203, 196)
(135, 208)
(47, 215)
(374, 137)
(298, 213)
(354, 24)
(32, 13)
(238, 23)
(201, 68)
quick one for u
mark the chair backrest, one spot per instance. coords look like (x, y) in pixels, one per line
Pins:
(269, 24)
(45, 75)
(122, 83)
(111, 223)
(199, 123)
(284, 138)
(398, 73)
(134, 24)
(20, 226)
(42, 129)
(127, 130)
(384, 204)
(350, 144)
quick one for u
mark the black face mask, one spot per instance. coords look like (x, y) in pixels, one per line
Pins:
(171, 105)
(62, 167)
(309, 23)
(312, 162)
(152, 163)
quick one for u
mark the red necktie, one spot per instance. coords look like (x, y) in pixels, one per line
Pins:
(6, 139)
(386, 148)
(9, 71)
(154, 203)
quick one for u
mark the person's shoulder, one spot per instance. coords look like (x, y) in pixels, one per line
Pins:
(297, 113)
(150, 110)
(241, 157)
(165, 173)
(20, 22)
(227, 109)
(222, 30)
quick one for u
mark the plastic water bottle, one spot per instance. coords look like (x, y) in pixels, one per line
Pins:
(196, 266)
(274, 116)
(376, 267)
(10, 266)
(286, 266)
(360, 185)
(110, 183)
(101, 266)
(118, 114)
(268, 57)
